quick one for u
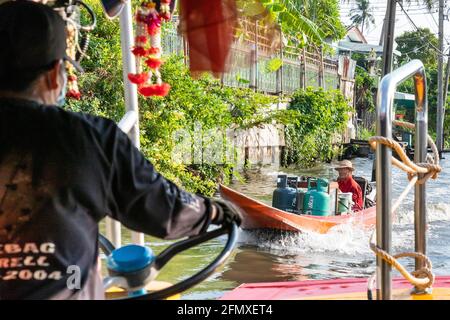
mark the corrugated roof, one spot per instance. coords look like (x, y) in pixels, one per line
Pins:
(362, 47)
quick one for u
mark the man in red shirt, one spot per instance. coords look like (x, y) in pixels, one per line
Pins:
(348, 184)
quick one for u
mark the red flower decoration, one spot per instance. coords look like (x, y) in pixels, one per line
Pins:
(153, 50)
(74, 94)
(139, 51)
(160, 90)
(141, 39)
(72, 78)
(153, 29)
(153, 63)
(139, 78)
(166, 1)
(141, 18)
(153, 24)
(165, 16)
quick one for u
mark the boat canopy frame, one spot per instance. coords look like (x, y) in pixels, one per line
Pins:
(130, 122)
(385, 102)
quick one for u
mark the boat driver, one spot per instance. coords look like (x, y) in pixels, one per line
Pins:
(61, 172)
(348, 184)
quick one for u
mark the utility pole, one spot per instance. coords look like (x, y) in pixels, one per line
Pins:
(382, 32)
(388, 42)
(447, 75)
(440, 97)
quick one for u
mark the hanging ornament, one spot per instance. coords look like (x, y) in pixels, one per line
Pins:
(148, 49)
(72, 81)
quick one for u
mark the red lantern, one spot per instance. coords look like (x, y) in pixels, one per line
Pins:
(209, 28)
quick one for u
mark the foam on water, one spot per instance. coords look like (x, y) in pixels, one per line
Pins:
(435, 212)
(344, 239)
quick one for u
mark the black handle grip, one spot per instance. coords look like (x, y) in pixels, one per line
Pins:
(167, 254)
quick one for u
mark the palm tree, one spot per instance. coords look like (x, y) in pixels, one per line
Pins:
(428, 3)
(362, 14)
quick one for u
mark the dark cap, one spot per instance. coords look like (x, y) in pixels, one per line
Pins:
(32, 37)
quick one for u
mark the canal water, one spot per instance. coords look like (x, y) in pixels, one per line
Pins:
(344, 252)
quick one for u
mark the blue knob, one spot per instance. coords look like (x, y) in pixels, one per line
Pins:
(130, 258)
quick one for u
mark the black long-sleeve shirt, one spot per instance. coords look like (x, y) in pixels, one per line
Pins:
(60, 174)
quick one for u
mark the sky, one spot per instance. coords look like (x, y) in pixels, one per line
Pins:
(417, 11)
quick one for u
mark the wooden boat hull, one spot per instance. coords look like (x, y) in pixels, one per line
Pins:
(258, 215)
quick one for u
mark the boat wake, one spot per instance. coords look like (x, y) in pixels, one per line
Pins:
(344, 239)
(435, 212)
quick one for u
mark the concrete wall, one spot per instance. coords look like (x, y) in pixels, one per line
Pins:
(261, 146)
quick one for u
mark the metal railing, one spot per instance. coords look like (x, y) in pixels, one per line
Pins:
(385, 101)
(113, 228)
(249, 58)
(130, 122)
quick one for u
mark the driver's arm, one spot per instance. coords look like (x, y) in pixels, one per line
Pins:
(144, 201)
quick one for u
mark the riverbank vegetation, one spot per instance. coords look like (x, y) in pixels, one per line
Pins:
(188, 135)
(321, 117)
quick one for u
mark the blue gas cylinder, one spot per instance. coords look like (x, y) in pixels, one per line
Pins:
(284, 197)
(316, 200)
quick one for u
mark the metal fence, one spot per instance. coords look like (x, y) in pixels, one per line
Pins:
(249, 60)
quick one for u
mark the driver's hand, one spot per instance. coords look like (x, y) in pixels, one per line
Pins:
(225, 212)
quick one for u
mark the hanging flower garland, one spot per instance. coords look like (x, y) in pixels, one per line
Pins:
(148, 48)
(73, 92)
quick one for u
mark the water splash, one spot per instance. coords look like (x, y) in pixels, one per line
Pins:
(344, 239)
(435, 212)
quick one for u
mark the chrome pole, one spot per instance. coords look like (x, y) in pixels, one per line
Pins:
(385, 100)
(384, 186)
(420, 155)
(131, 97)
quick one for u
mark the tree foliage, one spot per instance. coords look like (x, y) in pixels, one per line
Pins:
(420, 45)
(201, 108)
(321, 117)
(307, 22)
(365, 85)
(362, 14)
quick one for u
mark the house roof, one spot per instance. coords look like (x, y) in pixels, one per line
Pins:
(355, 35)
(362, 47)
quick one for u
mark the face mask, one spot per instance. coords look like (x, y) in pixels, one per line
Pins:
(61, 100)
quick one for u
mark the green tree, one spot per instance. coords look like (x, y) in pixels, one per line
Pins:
(306, 22)
(362, 14)
(320, 117)
(325, 14)
(201, 108)
(420, 44)
(428, 3)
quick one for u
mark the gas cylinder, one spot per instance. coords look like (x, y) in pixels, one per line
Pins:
(316, 200)
(284, 197)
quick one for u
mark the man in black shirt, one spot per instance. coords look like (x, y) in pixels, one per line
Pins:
(62, 172)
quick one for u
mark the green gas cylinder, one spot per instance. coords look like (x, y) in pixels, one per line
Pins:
(316, 200)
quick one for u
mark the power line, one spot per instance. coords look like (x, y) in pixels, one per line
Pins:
(405, 12)
(418, 30)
